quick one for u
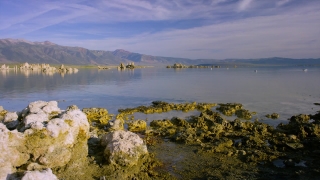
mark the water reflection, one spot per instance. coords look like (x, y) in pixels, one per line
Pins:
(4, 73)
(279, 90)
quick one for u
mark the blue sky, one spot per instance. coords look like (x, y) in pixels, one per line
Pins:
(217, 29)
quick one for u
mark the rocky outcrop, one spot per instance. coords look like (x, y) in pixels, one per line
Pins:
(123, 148)
(46, 68)
(44, 137)
(4, 67)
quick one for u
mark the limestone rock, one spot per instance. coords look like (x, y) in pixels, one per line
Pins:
(39, 175)
(115, 125)
(11, 155)
(123, 148)
(11, 120)
(10, 116)
(39, 111)
(44, 140)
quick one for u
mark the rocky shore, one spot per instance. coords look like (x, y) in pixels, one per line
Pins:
(44, 142)
(40, 68)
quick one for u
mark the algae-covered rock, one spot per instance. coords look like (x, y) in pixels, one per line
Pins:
(12, 149)
(123, 148)
(161, 106)
(244, 114)
(99, 115)
(162, 127)
(138, 125)
(43, 142)
(2, 113)
(229, 109)
(115, 125)
(299, 119)
(273, 116)
(39, 175)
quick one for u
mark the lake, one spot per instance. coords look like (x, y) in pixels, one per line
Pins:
(284, 90)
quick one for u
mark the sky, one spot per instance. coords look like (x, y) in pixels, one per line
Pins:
(195, 29)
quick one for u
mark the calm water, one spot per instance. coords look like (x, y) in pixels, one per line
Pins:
(287, 91)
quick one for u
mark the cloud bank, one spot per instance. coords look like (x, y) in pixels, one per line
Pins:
(184, 28)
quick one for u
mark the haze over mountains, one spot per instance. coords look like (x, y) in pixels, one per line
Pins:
(20, 51)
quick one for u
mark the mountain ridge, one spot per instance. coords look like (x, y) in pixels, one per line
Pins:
(20, 51)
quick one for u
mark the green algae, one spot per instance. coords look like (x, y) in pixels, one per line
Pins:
(205, 147)
(160, 107)
(53, 114)
(2, 114)
(37, 144)
(229, 109)
(137, 126)
(273, 116)
(98, 115)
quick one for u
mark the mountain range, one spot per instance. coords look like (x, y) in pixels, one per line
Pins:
(20, 51)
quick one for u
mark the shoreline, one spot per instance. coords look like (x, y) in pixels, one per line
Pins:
(207, 145)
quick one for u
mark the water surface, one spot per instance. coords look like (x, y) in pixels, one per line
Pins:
(286, 91)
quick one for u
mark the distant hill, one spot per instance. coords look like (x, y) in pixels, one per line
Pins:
(20, 51)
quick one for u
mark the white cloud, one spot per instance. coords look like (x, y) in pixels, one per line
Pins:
(244, 4)
(267, 30)
(293, 34)
(282, 2)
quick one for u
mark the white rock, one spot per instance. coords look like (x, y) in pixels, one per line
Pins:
(10, 157)
(115, 125)
(123, 148)
(34, 118)
(57, 126)
(43, 142)
(37, 125)
(52, 106)
(36, 106)
(39, 175)
(77, 121)
(10, 116)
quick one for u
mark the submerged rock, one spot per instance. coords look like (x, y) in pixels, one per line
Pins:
(273, 116)
(123, 148)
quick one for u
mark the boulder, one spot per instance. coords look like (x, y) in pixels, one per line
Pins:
(47, 138)
(12, 154)
(123, 148)
(39, 175)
